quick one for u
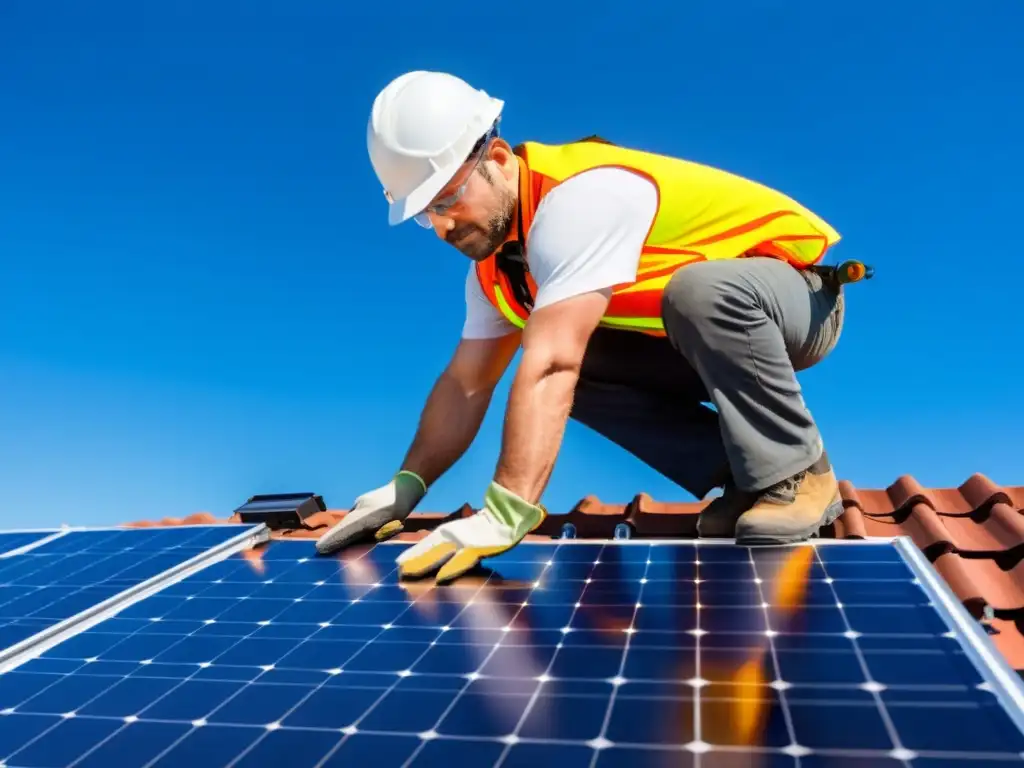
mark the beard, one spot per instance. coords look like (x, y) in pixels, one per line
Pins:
(478, 242)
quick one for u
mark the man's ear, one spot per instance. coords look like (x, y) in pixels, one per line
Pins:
(501, 154)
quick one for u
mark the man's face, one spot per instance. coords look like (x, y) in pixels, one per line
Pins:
(480, 219)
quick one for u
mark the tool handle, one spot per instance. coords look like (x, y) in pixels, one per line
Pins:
(851, 271)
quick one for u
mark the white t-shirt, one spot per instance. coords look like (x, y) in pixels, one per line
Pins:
(586, 236)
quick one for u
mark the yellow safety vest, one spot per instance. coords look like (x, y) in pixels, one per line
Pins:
(703, 214)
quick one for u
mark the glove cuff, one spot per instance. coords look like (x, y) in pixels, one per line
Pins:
(410, 488)
(512, 510)
(414, 476)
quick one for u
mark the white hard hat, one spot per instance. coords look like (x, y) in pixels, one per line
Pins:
(422, 127)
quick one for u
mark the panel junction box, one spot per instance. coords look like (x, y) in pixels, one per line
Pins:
(281, 510)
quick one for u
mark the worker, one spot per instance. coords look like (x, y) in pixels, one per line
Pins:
(641, 288)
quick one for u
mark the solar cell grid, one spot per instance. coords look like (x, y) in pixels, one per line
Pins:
(78, 570)
(579, 654)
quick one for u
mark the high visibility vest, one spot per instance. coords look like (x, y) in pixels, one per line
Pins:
(703, 214)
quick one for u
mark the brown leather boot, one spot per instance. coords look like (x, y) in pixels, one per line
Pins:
(794, 509)
(718, 518)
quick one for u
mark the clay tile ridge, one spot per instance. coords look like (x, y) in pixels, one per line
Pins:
(973, 534)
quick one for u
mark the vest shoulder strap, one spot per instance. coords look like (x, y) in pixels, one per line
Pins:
(511, 257)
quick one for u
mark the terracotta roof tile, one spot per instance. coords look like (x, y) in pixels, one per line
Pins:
(973, 534)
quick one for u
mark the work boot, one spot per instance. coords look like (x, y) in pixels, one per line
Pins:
(718, 518)
(794, 509)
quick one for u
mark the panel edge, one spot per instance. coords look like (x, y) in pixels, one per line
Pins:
(17, 654)
(29, 547)
(979, 648)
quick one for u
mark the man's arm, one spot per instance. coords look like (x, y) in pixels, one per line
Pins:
(586, 238)
(554, 342)
(458, 403)
(448, 424)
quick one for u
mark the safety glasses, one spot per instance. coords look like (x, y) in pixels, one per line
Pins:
(440, 205)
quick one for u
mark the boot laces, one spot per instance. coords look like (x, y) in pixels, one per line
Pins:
(784, 491)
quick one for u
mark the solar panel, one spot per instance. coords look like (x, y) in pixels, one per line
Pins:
(52, 585)
(569, 653)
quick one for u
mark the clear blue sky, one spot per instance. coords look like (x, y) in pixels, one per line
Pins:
(200, 297)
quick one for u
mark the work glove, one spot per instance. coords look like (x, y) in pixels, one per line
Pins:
(380, 511)
(455, 547)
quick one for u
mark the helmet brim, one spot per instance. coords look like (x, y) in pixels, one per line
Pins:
(400, 211)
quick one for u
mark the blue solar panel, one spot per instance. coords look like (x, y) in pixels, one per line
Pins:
(77, 571)
(568, 654)
(13, 540)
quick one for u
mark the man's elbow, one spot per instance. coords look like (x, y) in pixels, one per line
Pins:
(556, 337)
(470, 388)
(552, 360)
(569, 363)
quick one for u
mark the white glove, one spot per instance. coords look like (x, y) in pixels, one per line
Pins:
(374, 510)
(455, 547)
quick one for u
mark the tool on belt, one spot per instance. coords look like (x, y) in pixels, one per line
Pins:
(850, 271)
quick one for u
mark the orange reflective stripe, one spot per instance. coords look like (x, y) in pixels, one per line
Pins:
(743, 228)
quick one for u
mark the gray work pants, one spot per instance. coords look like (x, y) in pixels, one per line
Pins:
(738, 330)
